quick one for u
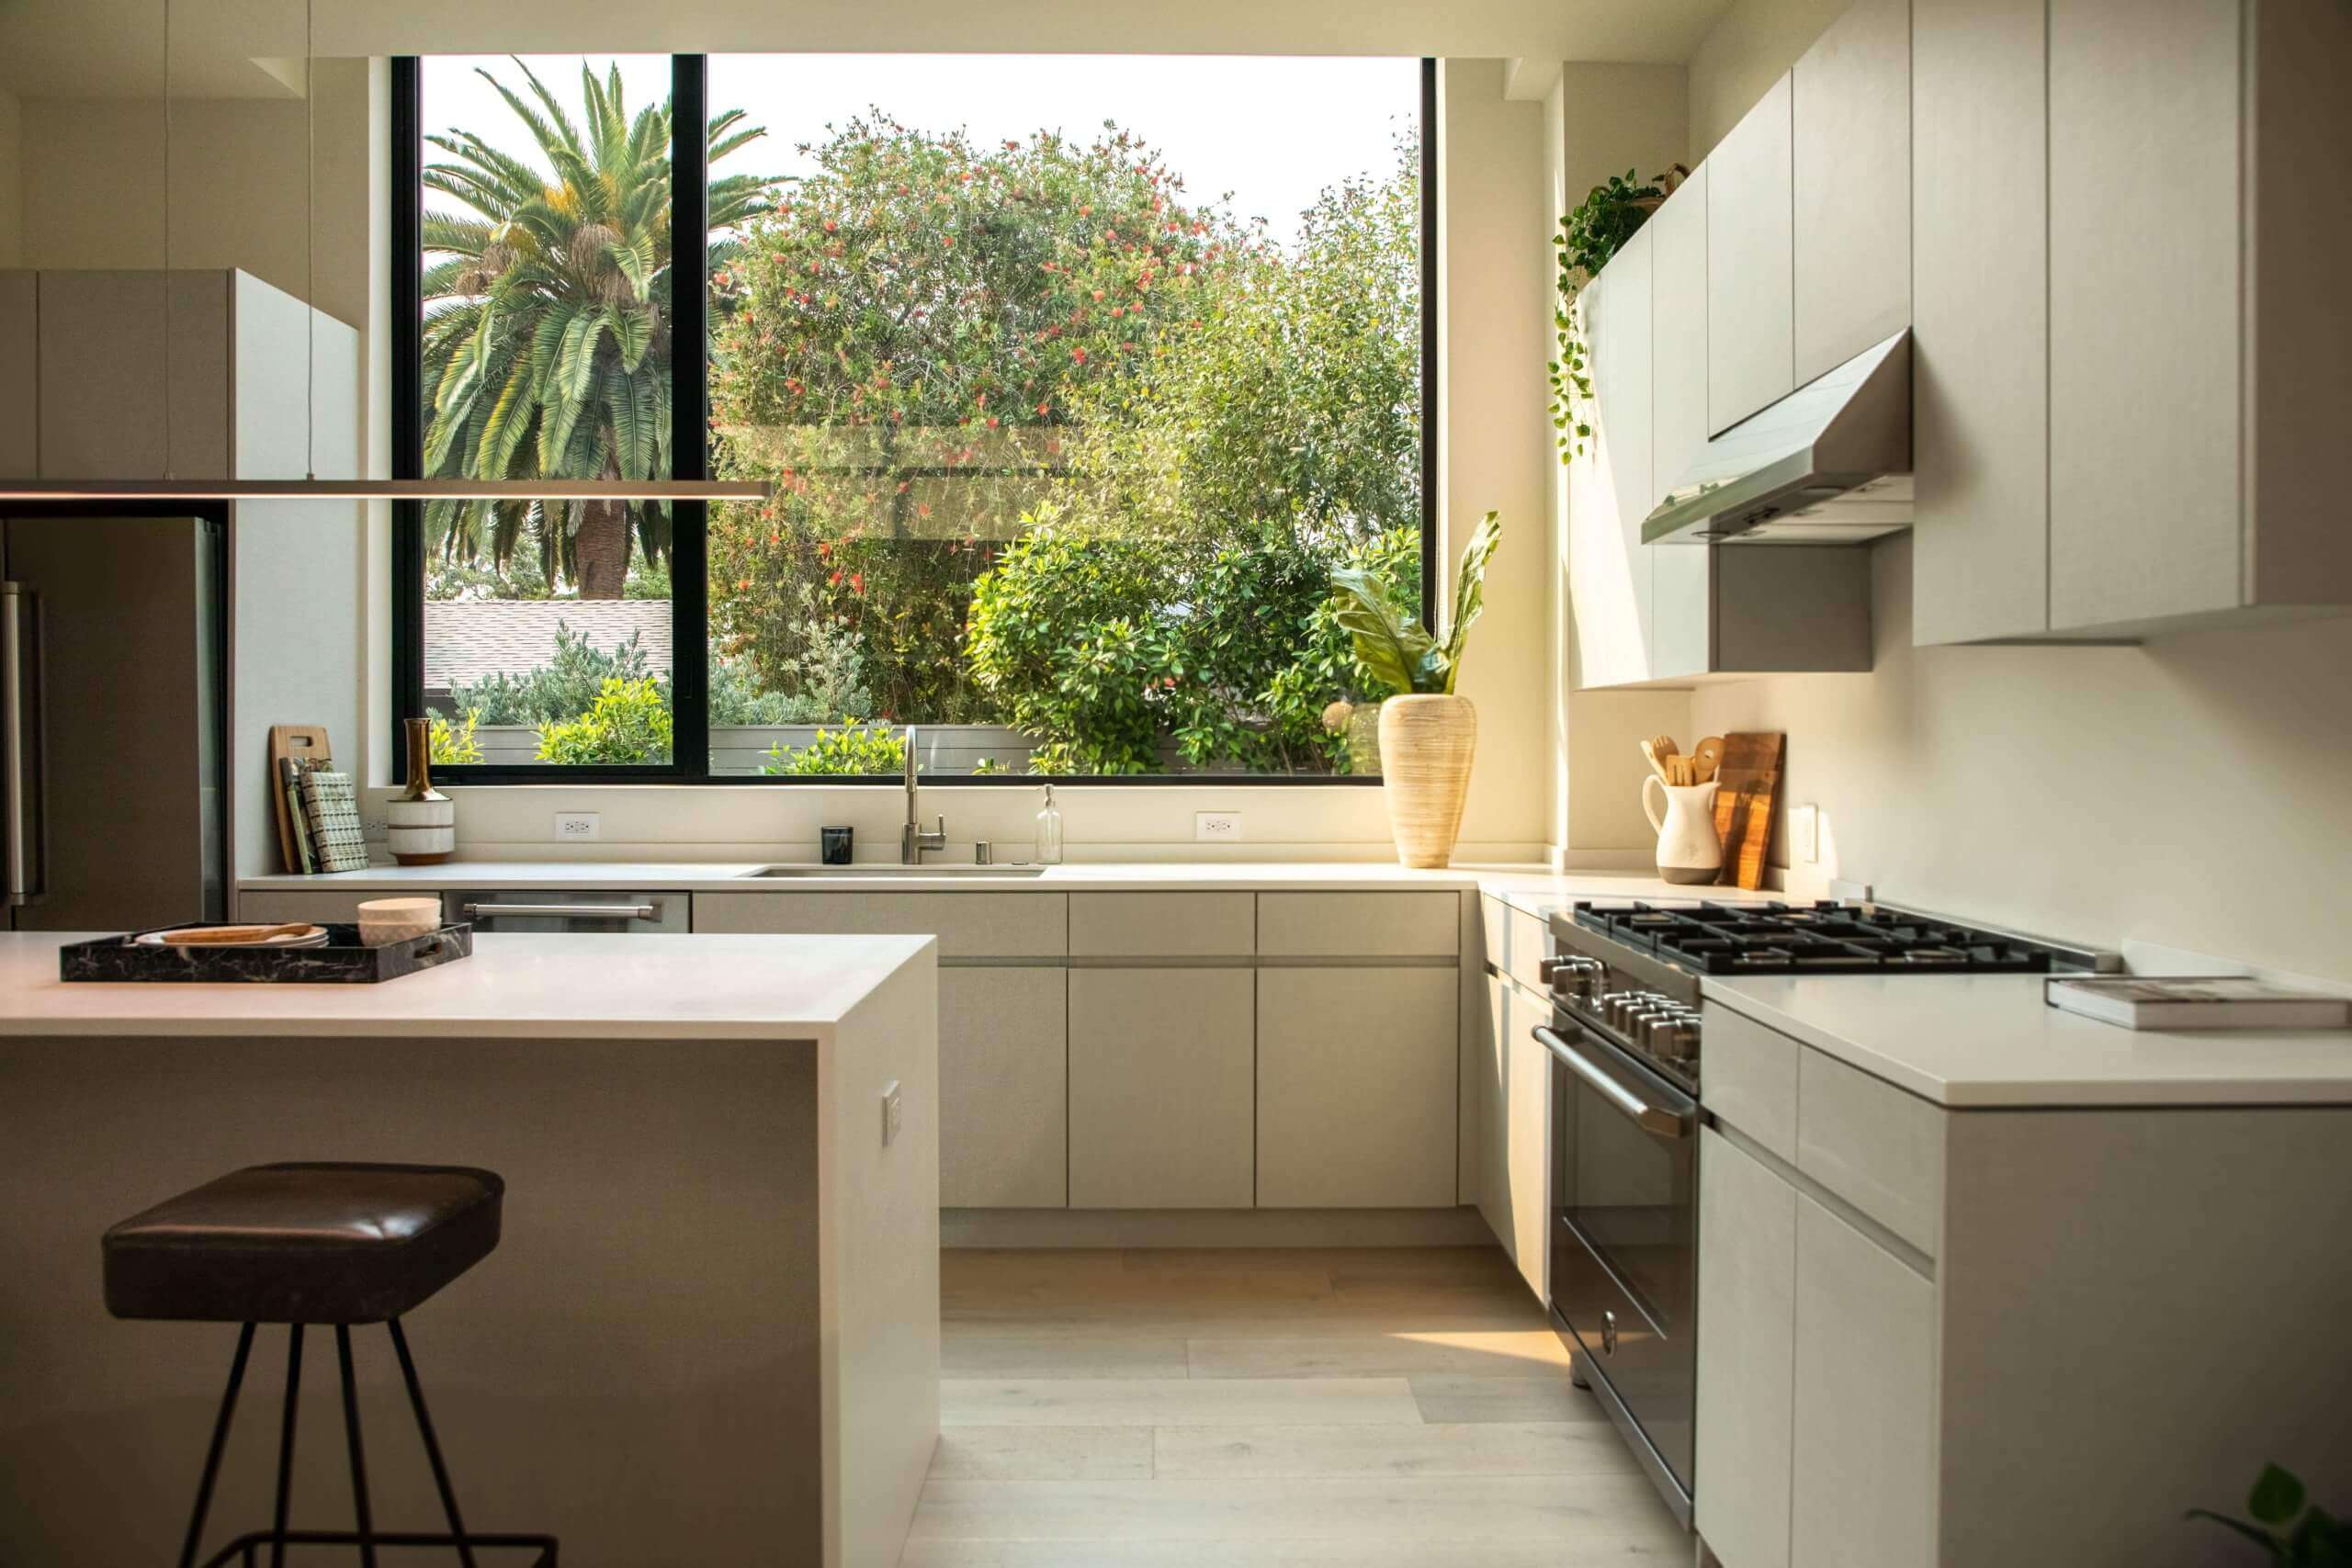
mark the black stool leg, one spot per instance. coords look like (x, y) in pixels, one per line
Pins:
(432, 1446)
(358, 1458)
(220, 1441)
(286, 1445)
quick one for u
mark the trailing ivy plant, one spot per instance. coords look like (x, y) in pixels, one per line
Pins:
(1610, 213)
(2286, 1525)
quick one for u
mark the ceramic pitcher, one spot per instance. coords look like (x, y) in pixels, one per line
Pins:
(1688, 850)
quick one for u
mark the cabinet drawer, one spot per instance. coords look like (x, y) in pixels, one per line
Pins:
(1877, 1147)
(1525, 955)
(1162, 925)
(1359, 925)
(1751, 1079)
(969, 925)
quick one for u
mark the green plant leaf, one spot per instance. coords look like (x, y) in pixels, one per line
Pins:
(2278, 1495)
(2262, 1538)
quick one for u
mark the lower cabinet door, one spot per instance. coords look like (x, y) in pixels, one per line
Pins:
(1747, 1265)
(1162, 1089)
(1865, 1430)
(1004, 1089)
(1358, 1071)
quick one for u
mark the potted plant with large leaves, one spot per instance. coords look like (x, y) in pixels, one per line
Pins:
(1428, 734)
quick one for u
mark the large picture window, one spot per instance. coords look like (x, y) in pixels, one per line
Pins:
(1070, 380)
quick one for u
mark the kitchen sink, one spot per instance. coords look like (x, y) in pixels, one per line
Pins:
(893, 872)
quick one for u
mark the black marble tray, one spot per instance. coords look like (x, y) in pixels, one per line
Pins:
(342, 961)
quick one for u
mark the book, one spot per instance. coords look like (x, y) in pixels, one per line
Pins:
(299, 827)
(331, 808)
(2215, 1001)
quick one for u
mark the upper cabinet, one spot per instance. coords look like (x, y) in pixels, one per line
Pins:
(1751, 352)
(2132, 378)
(1850, 105)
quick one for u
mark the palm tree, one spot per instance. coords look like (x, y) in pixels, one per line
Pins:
(547, 326)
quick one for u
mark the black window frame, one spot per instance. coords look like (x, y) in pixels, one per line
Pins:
(690, 459)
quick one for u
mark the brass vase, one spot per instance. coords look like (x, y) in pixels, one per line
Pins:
(421, 825)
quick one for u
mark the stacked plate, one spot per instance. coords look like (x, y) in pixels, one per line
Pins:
(235, 936)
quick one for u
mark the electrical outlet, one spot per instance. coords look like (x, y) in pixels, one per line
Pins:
(893, 1114)
(1217, 827)
(578, 827)
(375, 829)
(1804, 832)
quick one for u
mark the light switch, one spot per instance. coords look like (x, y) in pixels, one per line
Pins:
(893, 1114)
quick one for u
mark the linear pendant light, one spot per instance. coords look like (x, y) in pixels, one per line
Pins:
(311, 486)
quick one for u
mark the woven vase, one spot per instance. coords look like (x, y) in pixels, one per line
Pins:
(1426, 744)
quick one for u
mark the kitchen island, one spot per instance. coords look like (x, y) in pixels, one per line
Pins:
(710, 1334)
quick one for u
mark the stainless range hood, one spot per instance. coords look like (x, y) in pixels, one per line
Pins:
(1828, 464)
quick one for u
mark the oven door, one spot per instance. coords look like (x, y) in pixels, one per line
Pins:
(1624, 1237)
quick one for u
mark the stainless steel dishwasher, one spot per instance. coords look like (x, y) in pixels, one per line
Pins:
(626, 914)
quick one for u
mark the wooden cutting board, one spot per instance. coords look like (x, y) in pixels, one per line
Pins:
(303, 743)
(1747, 784)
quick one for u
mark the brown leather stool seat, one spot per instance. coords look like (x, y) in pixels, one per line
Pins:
(303, 1243)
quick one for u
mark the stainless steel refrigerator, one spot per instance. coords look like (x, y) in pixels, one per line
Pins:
(112, 711)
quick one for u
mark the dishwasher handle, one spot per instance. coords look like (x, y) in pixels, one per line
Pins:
(1664, 1121)
(563, 911)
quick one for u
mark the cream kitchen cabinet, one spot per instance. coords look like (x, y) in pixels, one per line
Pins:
(1163, 1089)
(1891, 1289)
(1751, 323)
(2157, 345)
(1863, 1443)
(1004, 1088)
(1356, 1082)
(91, 362)
(1515, 1112)
(1747, 1291)
(1676, 612)
(1850, 174)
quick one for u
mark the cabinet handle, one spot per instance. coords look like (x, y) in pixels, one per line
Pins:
(565, 911)
(1657, 1119)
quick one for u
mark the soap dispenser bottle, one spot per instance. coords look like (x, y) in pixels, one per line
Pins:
(1049, 832)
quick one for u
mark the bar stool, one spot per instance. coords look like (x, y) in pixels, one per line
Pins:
(305, 1244)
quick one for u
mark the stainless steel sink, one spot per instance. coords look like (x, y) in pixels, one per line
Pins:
(893, 872)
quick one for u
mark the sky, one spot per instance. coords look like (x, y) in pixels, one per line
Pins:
(1273, 132)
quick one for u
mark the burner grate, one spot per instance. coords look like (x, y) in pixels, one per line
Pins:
(1787, 939)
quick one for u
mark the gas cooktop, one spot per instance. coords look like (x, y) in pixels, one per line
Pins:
(1826, 938)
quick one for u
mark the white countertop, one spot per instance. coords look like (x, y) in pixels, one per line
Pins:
(1530, 887)
(1989, 1040)
(514, 986)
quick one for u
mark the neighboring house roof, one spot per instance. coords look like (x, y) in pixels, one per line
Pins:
(466, 640)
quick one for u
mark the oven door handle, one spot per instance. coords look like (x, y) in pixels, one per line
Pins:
(1657, 1119)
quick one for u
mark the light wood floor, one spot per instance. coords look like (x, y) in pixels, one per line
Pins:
(1268, 1409)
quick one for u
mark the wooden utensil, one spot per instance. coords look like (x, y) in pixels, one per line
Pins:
(208, 936)
(1650, 754)
(1708, 755)
(305, 744)
(1748, 781)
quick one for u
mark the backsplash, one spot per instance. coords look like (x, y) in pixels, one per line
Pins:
(2189, 792)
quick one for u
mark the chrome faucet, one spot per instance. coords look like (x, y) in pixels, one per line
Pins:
(912, 839)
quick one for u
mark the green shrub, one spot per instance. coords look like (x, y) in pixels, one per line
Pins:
(559, 691)
(1227, 648)
(853, 749)
(452, 743)
(628, 722)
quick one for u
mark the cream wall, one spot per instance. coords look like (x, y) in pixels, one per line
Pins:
(1743, 54)
(12, 183)
(2189, 790)
(1494, 445)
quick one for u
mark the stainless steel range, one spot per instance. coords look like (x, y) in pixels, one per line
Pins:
(1626, 1045)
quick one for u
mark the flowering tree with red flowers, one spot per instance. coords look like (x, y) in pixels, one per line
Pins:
(913, 331)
